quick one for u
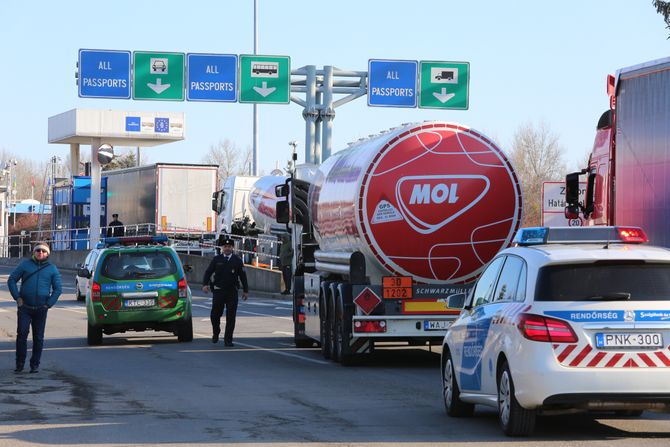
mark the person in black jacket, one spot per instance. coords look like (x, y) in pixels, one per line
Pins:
(222, 276)
(116, 227)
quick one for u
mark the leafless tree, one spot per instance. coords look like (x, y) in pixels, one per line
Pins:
(537, 157)
(231, 160)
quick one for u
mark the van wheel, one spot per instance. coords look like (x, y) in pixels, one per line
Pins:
(452, 394)
(185, 332)
(80, 297)
(514, 419)
(94, 335)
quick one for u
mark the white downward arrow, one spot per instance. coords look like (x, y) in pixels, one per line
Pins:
(265, 90)
(158, 87)
(444, 96)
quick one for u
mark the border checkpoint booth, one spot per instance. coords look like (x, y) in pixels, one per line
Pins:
(103, 129)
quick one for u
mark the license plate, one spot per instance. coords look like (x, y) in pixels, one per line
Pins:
(140, 303)
(648, 340)
(429, 325)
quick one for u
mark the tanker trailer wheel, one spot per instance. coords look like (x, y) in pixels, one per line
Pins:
(332, 323)
(342, 334)
(324, 327)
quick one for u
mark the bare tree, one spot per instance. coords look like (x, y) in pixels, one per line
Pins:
(231, 160)
(663, 8)
(537, 157)
(126, 160)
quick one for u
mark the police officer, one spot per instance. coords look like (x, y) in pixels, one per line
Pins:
(222, 275)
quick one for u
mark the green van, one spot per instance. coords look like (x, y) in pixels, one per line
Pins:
(137, 284)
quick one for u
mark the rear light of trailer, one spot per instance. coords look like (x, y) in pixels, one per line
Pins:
(370, 326)
(540, 328)
(181, 285)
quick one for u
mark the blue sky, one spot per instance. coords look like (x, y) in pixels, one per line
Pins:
(530, 61)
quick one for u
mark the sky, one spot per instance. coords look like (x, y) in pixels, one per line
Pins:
(530, 62)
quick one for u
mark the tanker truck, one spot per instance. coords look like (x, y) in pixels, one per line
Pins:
(386, 230)
(629, 166)
(246, 205)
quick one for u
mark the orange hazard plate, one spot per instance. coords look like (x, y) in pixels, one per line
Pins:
(397, 287)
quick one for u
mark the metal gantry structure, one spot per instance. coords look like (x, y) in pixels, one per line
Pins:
(320, 86)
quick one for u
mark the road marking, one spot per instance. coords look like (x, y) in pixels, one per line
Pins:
(271, 351)
(264, 315)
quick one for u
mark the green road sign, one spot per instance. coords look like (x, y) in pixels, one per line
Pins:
(158, 76)
(265, 79)
(444, 85)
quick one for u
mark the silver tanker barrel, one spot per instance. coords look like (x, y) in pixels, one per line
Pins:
(434, 200)
(263, 203)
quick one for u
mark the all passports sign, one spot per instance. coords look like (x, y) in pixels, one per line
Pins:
(104, 74)
(392, 83)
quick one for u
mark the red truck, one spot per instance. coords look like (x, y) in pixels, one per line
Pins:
(628, 174)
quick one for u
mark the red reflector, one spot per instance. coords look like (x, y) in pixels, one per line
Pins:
(632, 235)
(301, 318)
(539, 328)
(370, 326)
(95, 292)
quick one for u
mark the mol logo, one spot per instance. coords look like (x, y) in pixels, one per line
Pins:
(430, 202)
(428, 193)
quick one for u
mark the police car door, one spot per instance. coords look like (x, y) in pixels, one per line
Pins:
(507, 302)
(475, 324)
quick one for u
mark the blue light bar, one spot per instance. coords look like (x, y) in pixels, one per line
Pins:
(531, 236)
(134, 240)
(580, 235)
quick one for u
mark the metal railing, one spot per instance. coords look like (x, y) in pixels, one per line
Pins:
(261, 251)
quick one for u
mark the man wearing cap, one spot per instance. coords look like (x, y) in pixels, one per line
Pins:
(40, 289)
(223, 276)
(116, 227)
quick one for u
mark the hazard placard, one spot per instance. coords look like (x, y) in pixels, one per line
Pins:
(367, 300)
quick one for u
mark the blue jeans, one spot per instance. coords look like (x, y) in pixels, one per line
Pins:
(27, 317)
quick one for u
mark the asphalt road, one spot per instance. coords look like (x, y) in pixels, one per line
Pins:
(149, 389)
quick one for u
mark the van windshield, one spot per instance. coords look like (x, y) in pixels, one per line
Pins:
(138, 265)
(604, 281)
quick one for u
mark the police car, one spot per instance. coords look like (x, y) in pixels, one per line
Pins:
(137, 284)
(567, 319)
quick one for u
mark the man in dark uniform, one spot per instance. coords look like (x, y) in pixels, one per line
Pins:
(116, 227)
(222, 275)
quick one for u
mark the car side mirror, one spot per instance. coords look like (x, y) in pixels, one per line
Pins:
(456, 301)
(187, 267)
(84, 273)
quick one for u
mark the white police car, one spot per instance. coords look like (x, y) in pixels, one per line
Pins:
(568, 319)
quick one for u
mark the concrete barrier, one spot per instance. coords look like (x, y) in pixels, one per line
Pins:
(260, 279)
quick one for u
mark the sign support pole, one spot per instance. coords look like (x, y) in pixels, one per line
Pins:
(327, 112)
(94, 227)
(310, 114)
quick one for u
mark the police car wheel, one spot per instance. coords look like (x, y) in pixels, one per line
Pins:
(452, 403)
(514, 419)
(185, 332)
(94, 335)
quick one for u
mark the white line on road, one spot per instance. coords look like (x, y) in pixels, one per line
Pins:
(264, 315)
(273, 351)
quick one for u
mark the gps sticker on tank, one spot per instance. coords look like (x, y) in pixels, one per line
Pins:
(385, 212)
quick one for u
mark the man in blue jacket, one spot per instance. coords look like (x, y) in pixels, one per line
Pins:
(40, 289)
